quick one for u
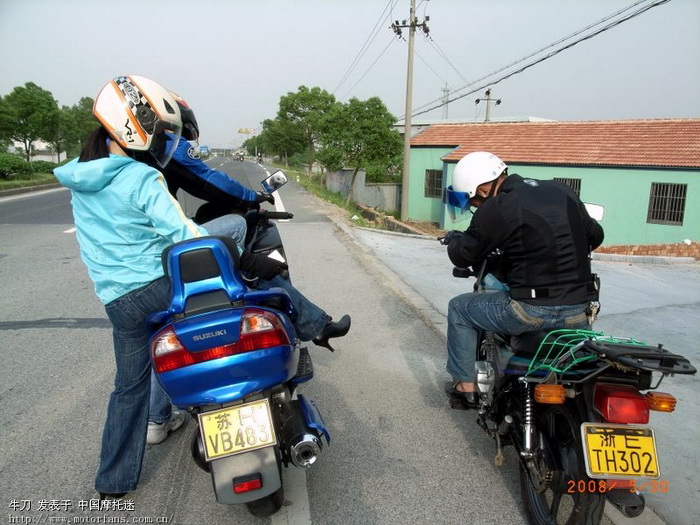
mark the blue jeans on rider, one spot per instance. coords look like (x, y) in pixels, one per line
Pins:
(497, 312)
(231, 225)
(124, 434)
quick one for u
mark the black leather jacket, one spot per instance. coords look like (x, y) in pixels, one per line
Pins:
(545, 234)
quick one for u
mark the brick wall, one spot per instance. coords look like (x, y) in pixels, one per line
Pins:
(664, 250)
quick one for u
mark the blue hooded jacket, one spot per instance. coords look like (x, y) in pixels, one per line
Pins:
(124, 218)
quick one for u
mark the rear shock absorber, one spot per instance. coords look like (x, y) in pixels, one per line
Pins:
(527, 409)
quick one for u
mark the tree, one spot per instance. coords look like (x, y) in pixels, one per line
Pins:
(30, 113)
(358, 135)
(303, 111)
(82, 124)
(5, 125)
(282, 138)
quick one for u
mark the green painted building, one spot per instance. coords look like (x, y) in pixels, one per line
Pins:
(645, 172)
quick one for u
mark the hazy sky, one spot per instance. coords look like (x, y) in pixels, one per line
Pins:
(232, 60)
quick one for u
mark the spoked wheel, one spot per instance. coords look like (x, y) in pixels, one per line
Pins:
(555, 488)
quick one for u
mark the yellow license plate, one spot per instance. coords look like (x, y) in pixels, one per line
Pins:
(619, 451)
(237, 429)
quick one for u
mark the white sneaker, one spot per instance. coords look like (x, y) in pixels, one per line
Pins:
(158, 432)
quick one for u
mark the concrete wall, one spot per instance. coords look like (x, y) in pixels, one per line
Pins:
(381, 196)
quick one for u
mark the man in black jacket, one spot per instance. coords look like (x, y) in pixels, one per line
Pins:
(545, 235)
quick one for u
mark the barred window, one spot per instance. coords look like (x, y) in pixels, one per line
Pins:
(666, 203)
(433, 183)
(574, 184)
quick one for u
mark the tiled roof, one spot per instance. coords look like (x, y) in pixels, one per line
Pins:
(653, 143)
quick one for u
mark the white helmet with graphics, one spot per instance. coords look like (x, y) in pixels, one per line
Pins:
(141, 116)
(471, 171)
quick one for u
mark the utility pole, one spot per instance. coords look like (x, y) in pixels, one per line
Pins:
(445, 99)
(411, 25)
(488, 101)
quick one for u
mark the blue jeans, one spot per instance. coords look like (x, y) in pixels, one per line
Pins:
(231, 225)
(124, 434)
(309, 322)
(310, 319)
(497, 312)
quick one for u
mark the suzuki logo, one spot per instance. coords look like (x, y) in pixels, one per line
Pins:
(209, 335)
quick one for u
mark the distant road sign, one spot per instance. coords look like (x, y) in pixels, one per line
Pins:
(204, 150)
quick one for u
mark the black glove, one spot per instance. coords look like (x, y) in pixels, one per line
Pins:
(265, 197)
(449, 237)
(260, 265)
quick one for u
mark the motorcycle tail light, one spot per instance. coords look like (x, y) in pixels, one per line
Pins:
(620, 403)
(550, 394)
(661, 401)
(259, 329)
(247, 483)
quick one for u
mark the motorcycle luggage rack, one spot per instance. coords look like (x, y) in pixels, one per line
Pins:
(641, 356)
(562, 350)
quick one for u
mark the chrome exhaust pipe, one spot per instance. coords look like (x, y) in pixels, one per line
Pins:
(301, 442)
(304, 450)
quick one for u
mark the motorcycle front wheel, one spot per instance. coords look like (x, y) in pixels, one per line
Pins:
(555, 488)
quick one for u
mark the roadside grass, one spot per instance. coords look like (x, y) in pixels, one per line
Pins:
(24, 181)
(316, 185)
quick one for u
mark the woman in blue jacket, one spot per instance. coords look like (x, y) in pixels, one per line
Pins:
(125, 217)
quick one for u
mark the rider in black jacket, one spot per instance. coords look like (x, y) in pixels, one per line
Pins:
(225, 198)
(545, 235)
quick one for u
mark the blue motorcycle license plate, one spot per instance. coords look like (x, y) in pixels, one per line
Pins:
(237, 429)
(619, 451)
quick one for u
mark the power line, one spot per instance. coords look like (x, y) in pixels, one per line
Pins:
(440, 102)
(575, 33)
(368, 41)
(442, 54)
(368, 70)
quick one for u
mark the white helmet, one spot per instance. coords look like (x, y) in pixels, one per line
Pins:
(140, 115)
(471, 171)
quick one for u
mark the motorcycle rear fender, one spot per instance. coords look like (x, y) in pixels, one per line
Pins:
(263, 461)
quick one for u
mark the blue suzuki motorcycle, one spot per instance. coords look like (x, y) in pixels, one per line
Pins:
(229, 355)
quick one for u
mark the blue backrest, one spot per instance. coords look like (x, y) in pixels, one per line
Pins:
(203, 276)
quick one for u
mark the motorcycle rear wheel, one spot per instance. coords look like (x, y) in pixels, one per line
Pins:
(551, 494)
(267, 506)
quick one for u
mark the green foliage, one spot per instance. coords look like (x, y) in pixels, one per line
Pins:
(360, 135)
(281, 138)
(43, 166)
(29, 113)
(300, 115)
(11, 166)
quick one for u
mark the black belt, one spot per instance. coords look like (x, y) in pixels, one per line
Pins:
(564, 290)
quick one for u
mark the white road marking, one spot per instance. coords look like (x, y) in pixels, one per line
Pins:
(295, 492)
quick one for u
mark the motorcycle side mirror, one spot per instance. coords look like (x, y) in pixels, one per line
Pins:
(596, 211)
(275, 181)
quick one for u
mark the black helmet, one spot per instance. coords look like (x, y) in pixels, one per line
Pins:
(190, 129)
